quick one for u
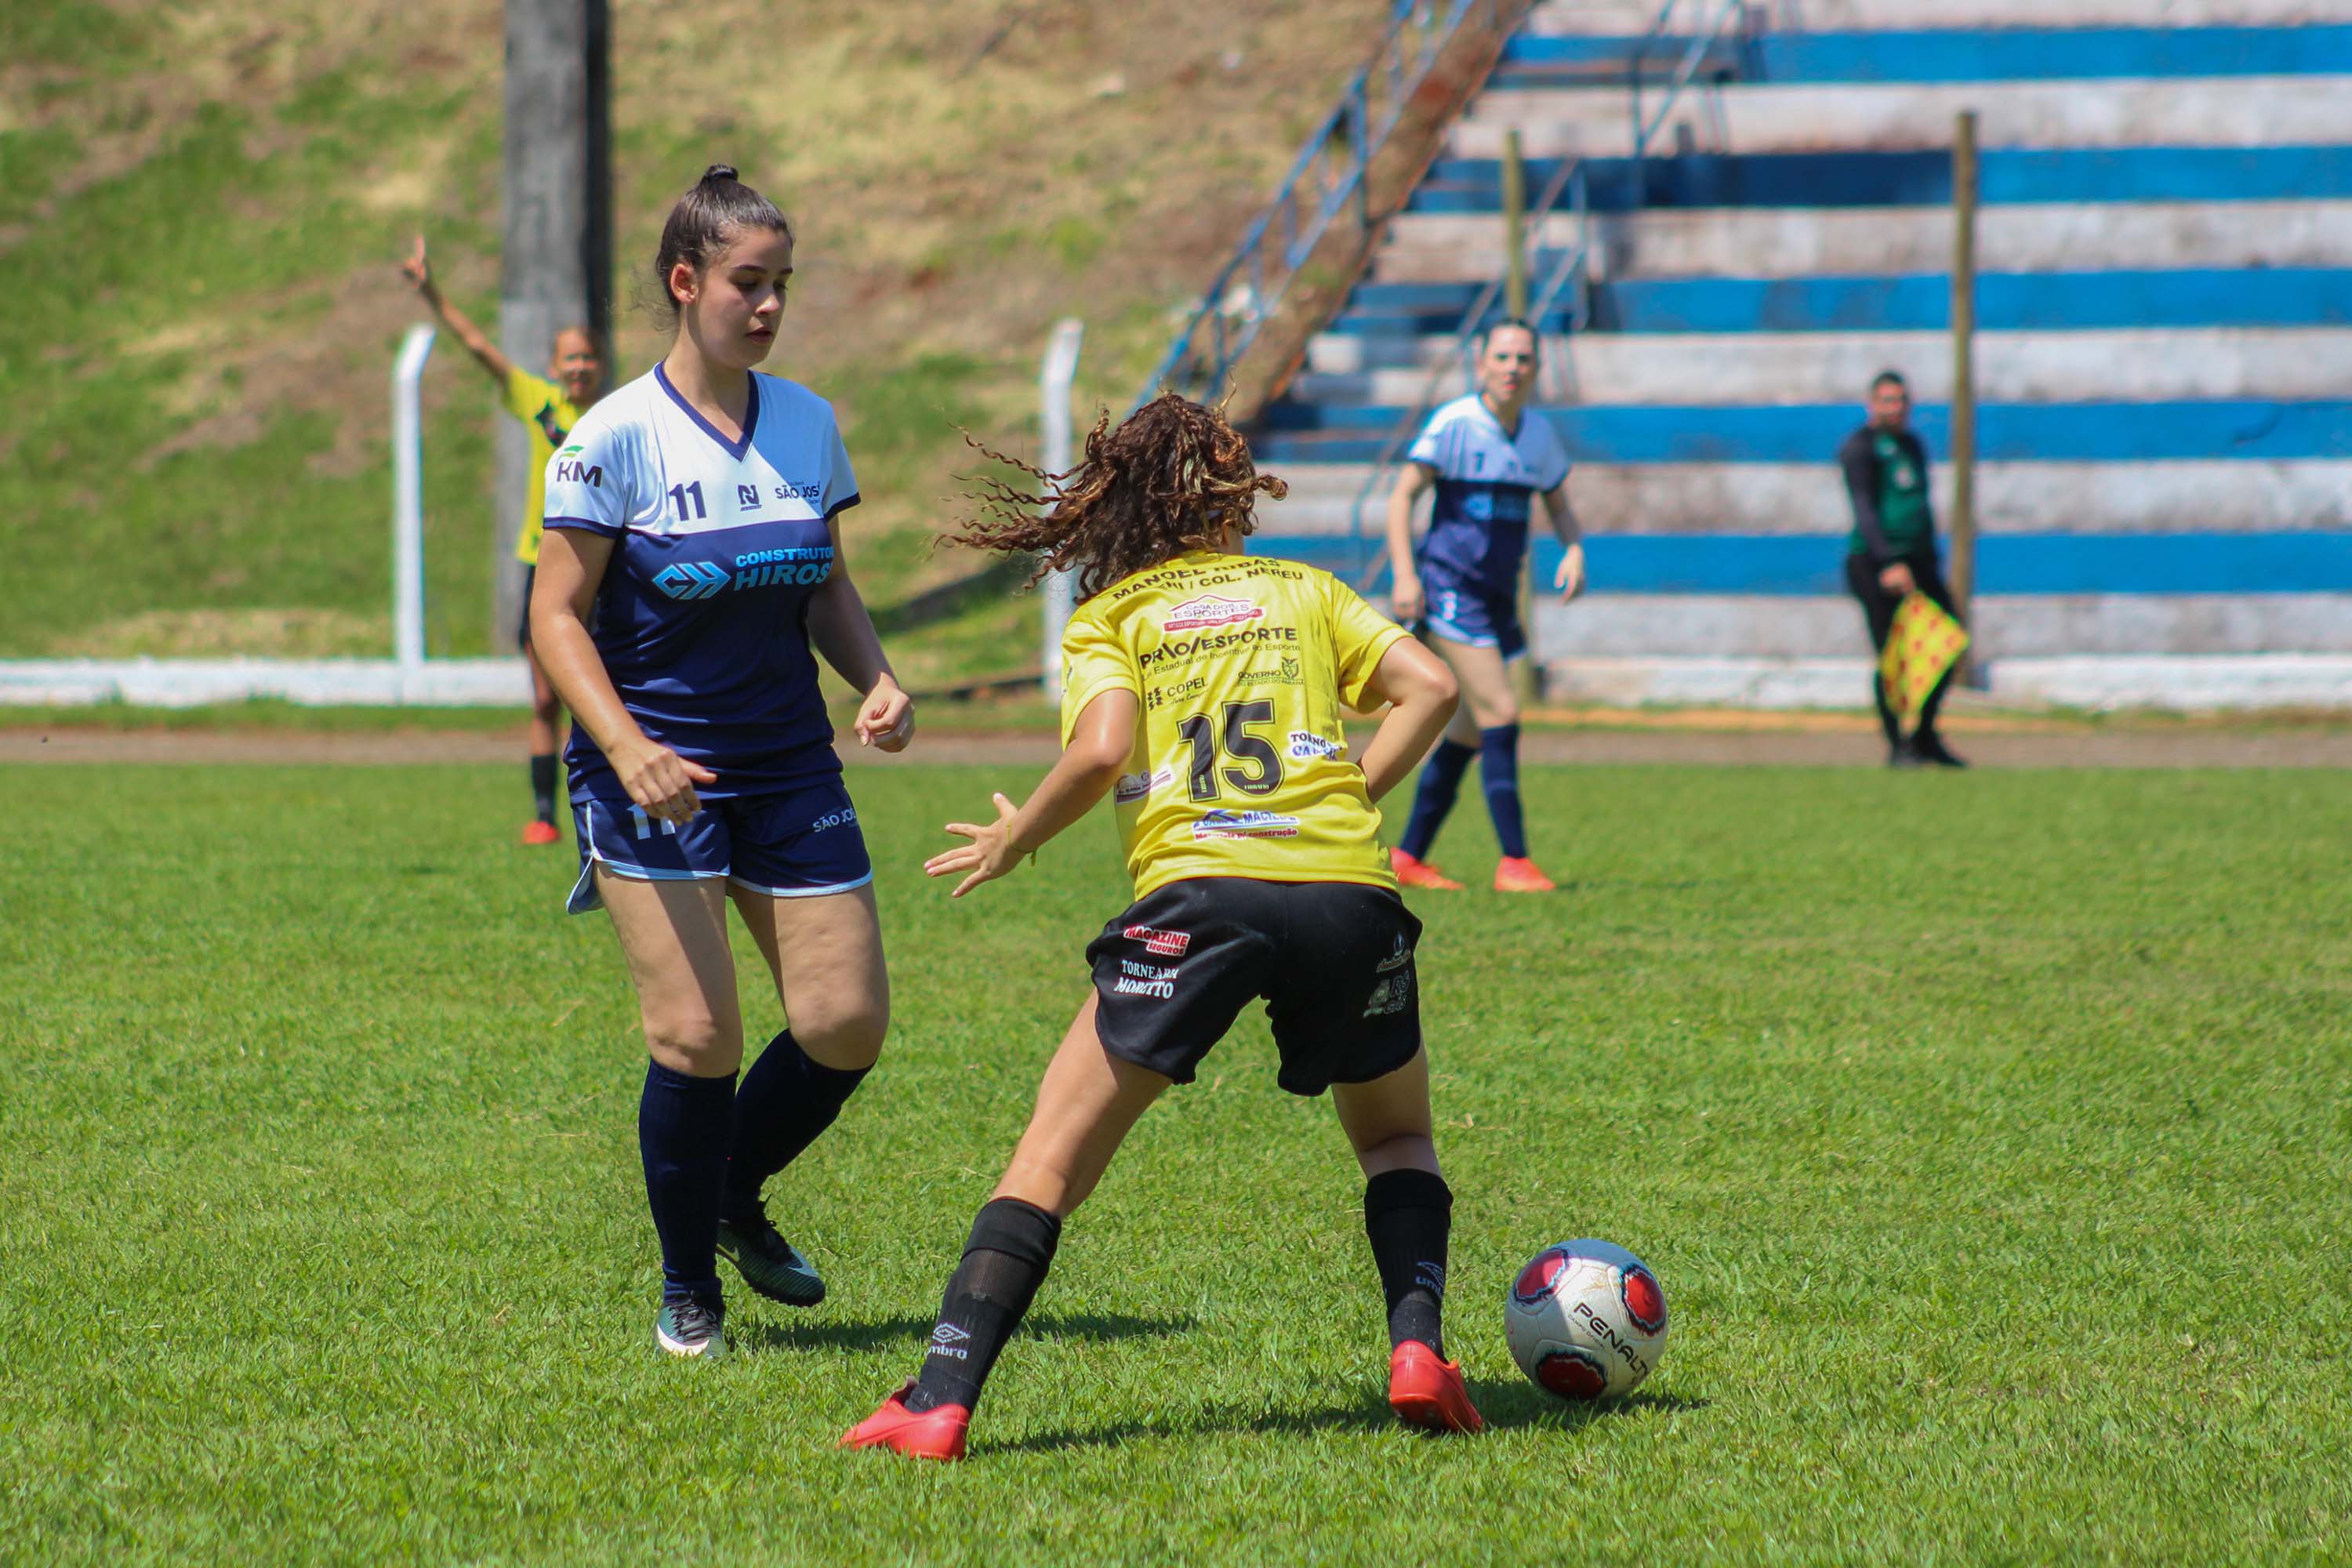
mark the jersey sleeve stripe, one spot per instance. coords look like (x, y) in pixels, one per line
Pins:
(586, 525)
(844, 504)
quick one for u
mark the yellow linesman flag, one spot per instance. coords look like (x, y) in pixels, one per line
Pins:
(1925, 643)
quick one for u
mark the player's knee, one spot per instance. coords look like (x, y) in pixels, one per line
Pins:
(694, 1041)
(845, 1032)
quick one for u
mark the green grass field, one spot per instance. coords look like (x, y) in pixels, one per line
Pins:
(1990, 1133)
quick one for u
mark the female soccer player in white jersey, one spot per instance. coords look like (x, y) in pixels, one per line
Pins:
(548, 406)
(1203, 690)
(1489, 461)
(691, 567)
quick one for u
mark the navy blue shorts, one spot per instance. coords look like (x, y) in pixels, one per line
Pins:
(1473, 613)
(795, 843)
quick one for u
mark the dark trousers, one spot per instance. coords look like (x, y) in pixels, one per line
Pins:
(1878, 607)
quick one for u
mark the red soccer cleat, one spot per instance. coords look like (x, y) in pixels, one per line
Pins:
(1429, 1393)
(935, 1434)
(1413, 873)
(1519, 875)
(542, 833)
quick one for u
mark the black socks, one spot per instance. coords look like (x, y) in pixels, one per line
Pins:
(542, 786)
(1408, 1215)
(1005, 1261)
(683, 1122)
(787, 1099)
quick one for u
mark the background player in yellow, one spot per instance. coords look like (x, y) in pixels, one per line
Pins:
(1202, 690)
(549, 406)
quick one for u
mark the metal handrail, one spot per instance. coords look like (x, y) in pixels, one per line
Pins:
(1331, 173)
(1571, 267)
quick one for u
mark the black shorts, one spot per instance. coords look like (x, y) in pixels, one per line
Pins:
(1333, 960)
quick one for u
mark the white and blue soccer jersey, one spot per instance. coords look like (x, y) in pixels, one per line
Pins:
(718, 545)
(1486, 484)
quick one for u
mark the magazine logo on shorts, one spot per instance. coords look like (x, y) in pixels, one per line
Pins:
(1166, 943)
(1225, 823)
(1209, 611)
(1305, 746)
(1132, 787)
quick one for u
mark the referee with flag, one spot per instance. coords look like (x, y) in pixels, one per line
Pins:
(1891, 554)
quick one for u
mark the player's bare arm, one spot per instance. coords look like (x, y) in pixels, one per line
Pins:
(1421, 692)
(842, 631)
(1084, 774)
(418, 269)
(1406, 596)
(571, 568)
(1570, 578)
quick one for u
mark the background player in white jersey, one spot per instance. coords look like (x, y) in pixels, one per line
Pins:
(1489, 461)
(690, 566)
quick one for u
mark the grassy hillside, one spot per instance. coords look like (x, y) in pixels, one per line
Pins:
(200, 208)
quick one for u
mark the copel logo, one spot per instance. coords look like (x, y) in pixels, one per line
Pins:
(1209, 610)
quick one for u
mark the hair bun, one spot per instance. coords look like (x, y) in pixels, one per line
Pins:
(718, 172)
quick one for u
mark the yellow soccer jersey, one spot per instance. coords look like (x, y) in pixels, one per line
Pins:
(549, 416)
(1239, 769)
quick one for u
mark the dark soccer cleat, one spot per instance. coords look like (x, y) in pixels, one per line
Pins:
(1429, 1393)
(769, 1263)
(692, 1326)
(933, 1434)
(1931, 750)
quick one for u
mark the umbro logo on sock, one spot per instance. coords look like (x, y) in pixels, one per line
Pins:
(946, 1340)
(1430, 1276)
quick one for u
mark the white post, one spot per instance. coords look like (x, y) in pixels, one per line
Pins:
(408, 502)
(1053, 378)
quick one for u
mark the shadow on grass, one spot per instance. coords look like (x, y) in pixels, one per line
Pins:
(1518, 1404)
(1504, 1404)
(881, 1333)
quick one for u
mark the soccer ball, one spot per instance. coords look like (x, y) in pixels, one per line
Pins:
(1586, 1319)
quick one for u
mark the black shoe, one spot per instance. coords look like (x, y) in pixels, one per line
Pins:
(1903, 755)
(769, 1263)
(1931, 749)
(692, 1327)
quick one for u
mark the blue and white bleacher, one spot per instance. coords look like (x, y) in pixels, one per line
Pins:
(2165, 428)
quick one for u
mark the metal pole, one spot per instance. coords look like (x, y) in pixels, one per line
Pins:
(558, 254)
(408, 500)
(1060, 368)
(1515, 226)
(1964, 385)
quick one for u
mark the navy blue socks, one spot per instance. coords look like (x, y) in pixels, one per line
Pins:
(1432, 797)
(542, 786)
(1499, 768)
(684, 1123)
(787, 1099)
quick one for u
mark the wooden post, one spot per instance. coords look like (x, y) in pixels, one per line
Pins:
(558, 261)
(1515, 226)
(1964, 381)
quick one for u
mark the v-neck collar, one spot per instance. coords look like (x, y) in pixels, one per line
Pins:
(1493, 418)
(735, 448)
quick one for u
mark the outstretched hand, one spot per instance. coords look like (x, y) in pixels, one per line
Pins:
(417, 269)
(987, 856)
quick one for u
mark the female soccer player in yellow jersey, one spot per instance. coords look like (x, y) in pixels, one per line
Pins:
(1203, 690)
(549, 406)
